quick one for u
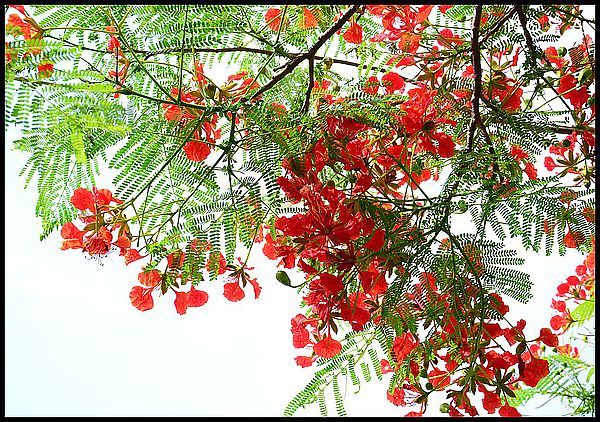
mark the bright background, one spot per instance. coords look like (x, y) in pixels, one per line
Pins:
(75, 346)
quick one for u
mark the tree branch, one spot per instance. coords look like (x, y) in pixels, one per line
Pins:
(310, 53)
(311, 81)
(476, 61)
(532, 51)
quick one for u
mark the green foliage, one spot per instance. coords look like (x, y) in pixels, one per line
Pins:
(568, 381)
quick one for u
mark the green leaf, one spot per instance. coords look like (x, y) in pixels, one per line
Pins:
(584, 311)
(78, 146)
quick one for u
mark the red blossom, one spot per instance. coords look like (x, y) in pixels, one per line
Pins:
(273, 19)
(508, 411)
(549, 163)
(141, 298)
(397, 398)
(376, 242)
(196, 150)
(518, 153)
(83, 199)
(557, 322)
(327, 348)
(304, 361)
(233, 292)
(548, 338)
(354, 34)
(150, 279)
(491, 401)
(501, 361)
(308, 20)
(532, 372)
(531, 171)
(45, 69)
(330, 283)
(196, 298)
(72, 235)
(181, 302)
(16, 25)
(403, 345)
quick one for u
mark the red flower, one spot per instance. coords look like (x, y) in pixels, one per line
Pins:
(83, 199)
(45, 69)
(397, 398)
(15, 25)
(403, 345)
(385, 366)
(566, 87)
(354, 34)
(233, 292)
(196, 298)
(557, 322)
(99, 244)
(303, 361)
(150, 279)
(377, 241)
(300, 335)
(131, 255)
(508, 411)
(438, 378)
(196, 150)
(141, 298)
(532, 372)
(327, 348)
(589, 214)
(273, 19)
(500, 361)
(548, 338)
(392, 82)
(331, 284)
(257, 289)
(181, 302)
(491, 401)
(549, 163)
(309, 20)
(530, 171)
(573, 239)
(445, 144)
(518, 153)
(497, 303)
(72, 235)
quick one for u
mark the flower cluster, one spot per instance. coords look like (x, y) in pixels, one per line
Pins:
(576, 289)
(101, 220)
(574, 154)
(119, 73)
(29, 29)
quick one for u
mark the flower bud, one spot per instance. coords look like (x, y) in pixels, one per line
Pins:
(283, 278)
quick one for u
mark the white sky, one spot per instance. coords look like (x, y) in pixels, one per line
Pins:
(75, 346)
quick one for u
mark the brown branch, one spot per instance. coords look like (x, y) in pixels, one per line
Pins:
(477, 73)
(498, 24)
(310, 53)
(311, 81)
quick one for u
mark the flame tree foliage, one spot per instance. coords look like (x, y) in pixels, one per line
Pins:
(347, 143)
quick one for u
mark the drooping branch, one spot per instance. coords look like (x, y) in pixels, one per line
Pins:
(532, 51)
(310, 53)
(477, 74)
